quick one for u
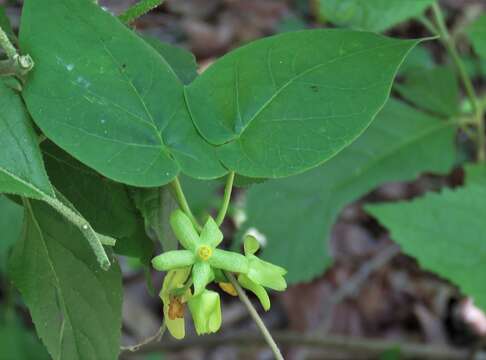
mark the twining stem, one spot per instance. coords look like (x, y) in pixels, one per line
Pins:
(181, 200)
(450, 45)
(226, 198)
(95, 240)
(139, 9)
(16, 64)
(254, 314)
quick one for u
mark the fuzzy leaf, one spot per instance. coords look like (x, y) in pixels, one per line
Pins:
(75, 306)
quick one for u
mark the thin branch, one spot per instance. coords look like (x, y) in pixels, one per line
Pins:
(226, 198)
(152, 339)
(450, 45)
(7, 45)
(254, 314)
(355, 347)
(139, 9)
(182, 201)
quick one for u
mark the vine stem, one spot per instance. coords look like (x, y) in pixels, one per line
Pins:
(254, 314)
(16, 64)
(7, 45)
(139, 9)
(450, 45)
(184, 205)
(154, 338)
(95, 240)
(226, 198)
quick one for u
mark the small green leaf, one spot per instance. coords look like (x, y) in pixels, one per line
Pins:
(445, 232)
(21, 167)
(435, 90)
(284, 104)
(181, 61)
(371, 15)
(477, 34)
(398, 146)
(108, 98)
(75, 306)
(11, 216)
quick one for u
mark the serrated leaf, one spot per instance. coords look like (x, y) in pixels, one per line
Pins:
(75, 306)
(11, 216)
(106, 205)
(296, 214)
(21, 167)
(445, 232)
(109, 99)
(181, 61)
(371, 15)
(284, 104)
(435, 90)
(477, 34)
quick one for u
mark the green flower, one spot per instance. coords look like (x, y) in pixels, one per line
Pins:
(200, 252)
(206, 312)
(174, 295)
(261, 274)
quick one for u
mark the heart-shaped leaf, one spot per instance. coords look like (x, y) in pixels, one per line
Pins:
(285, 104)
(107, 97)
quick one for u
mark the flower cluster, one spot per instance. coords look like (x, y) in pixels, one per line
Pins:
(199, 263)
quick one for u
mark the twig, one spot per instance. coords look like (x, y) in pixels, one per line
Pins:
(226, 198)
(154, 338)
(256, 318)
(355, 347)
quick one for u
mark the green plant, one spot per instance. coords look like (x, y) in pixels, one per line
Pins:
(125, 125)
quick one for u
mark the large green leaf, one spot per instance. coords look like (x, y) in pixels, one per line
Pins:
(108, 98)
(371, 15)
(105, 204)
(436, 90)
(284, 104)
(296, 214)
(11, 216)
(477, 34)
(75, 306)
(446, 233)
(21, 167)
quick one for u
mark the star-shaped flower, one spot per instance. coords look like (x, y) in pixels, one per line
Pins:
(200, 252)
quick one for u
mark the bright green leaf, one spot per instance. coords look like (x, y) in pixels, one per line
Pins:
(106, 205)
(108, 98)
(75, 306)
(445, 232)
(182, 61)
(435, 90)
(477, 34)
(11, 216)
(284, 104)
(296, 214)
(371, 15)
(21, 167)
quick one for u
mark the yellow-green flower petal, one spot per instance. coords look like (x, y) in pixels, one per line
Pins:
(211, 234)
(201, 276)
(184, 230)
(174, 280)
(229, 261)
(258, 290)
(266, 274)
(206, 312)
(174, 259)
(250, 245)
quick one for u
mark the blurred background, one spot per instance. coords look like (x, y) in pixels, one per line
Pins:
(369, 298)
